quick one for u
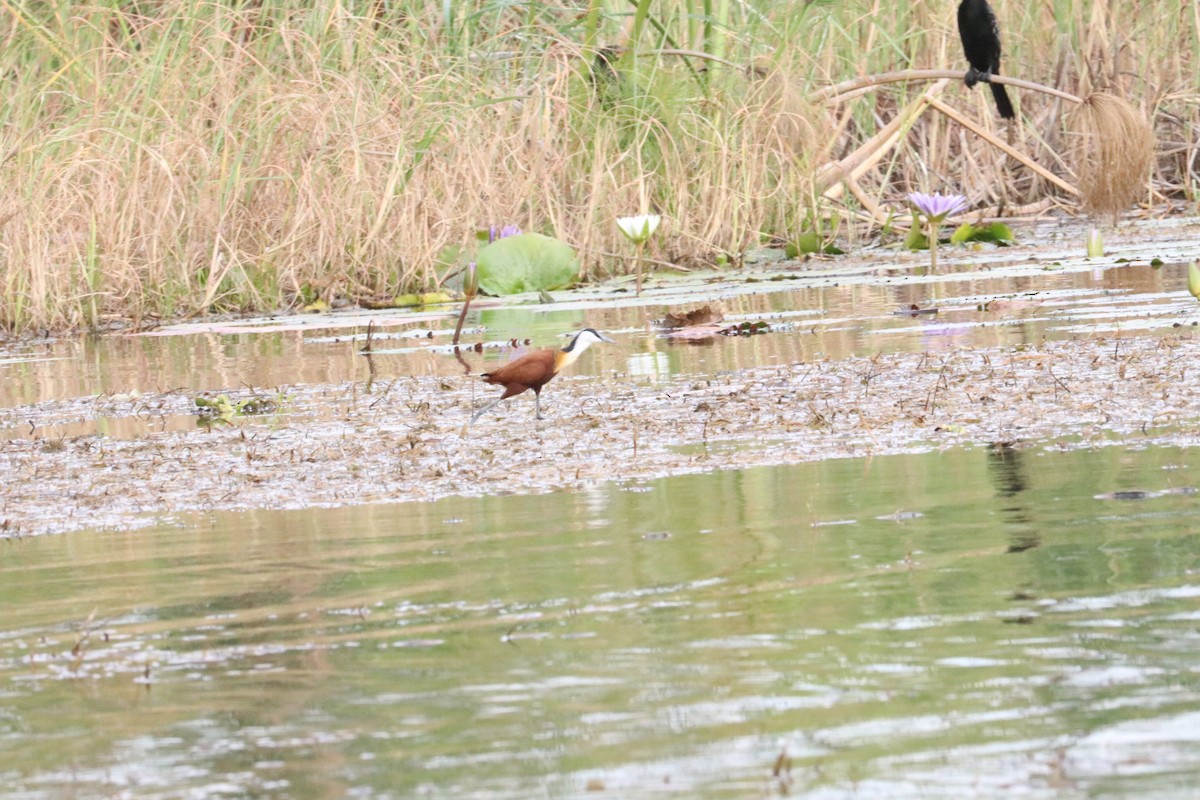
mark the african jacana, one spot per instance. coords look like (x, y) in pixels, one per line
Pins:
(534, 370)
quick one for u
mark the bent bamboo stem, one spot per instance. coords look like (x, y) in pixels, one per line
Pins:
(840, 92)
(870, 152)
(832, 177)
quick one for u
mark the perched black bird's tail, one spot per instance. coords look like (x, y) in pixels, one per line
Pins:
(980, 36)
(1003, 104)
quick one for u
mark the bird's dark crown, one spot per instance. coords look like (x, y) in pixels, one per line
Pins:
(571, 345)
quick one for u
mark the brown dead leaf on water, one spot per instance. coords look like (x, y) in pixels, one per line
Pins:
(1002, 305)
(705, 315)
(913, 310)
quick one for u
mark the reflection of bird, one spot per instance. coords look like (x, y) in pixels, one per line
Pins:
(1006, 464)
(534, 370)
(980, 36)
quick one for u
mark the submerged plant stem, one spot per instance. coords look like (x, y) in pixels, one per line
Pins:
(462, 315)
(638, 259)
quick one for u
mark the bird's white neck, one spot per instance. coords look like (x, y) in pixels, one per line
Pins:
(582, 341)
(565, 358)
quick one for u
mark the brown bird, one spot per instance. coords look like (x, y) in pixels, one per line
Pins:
(534, 370)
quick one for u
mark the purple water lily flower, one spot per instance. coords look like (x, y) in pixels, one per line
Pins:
(503, 233)
(937, 206)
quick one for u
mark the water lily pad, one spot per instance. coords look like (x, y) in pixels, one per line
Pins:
(916, 239)
(527, 262)
(810, 242)
(746, 329)
(996, 232)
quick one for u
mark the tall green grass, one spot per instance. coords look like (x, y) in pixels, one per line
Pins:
(171, 157)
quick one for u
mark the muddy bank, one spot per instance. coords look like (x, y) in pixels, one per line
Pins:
(406, 439)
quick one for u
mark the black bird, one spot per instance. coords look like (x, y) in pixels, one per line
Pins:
(980, 36)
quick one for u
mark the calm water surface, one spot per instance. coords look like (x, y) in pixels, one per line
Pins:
(974, 623)
(827, 321)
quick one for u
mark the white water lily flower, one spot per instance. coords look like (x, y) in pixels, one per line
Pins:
(640, 228)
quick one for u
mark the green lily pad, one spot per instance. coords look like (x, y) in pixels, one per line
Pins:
(916, 238)
(996, 232)
(809, 242)
(527, 262)
(413, 299)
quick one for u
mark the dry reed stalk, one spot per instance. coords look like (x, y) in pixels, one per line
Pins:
(871, 152)
(1114, 152)
(848, 90)
(1001, 145)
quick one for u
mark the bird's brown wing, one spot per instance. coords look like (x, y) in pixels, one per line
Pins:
(530, 371)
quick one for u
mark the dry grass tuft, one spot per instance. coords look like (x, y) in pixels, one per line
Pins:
(787, 121)
(1113, 153)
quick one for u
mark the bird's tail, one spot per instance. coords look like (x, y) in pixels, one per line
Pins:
(1003, 104)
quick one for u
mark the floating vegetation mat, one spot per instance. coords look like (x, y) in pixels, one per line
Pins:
(330, 444)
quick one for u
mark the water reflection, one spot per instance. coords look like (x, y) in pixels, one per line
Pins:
(671, 636)
(826, 320)
(1007, 469)
(651, 365)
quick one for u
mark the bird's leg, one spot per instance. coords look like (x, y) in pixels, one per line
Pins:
(973, 77)
(537, 405)
(481, 411)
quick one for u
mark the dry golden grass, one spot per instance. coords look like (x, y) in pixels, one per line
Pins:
(1114, 154)
(248, 167)
(171, 158)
